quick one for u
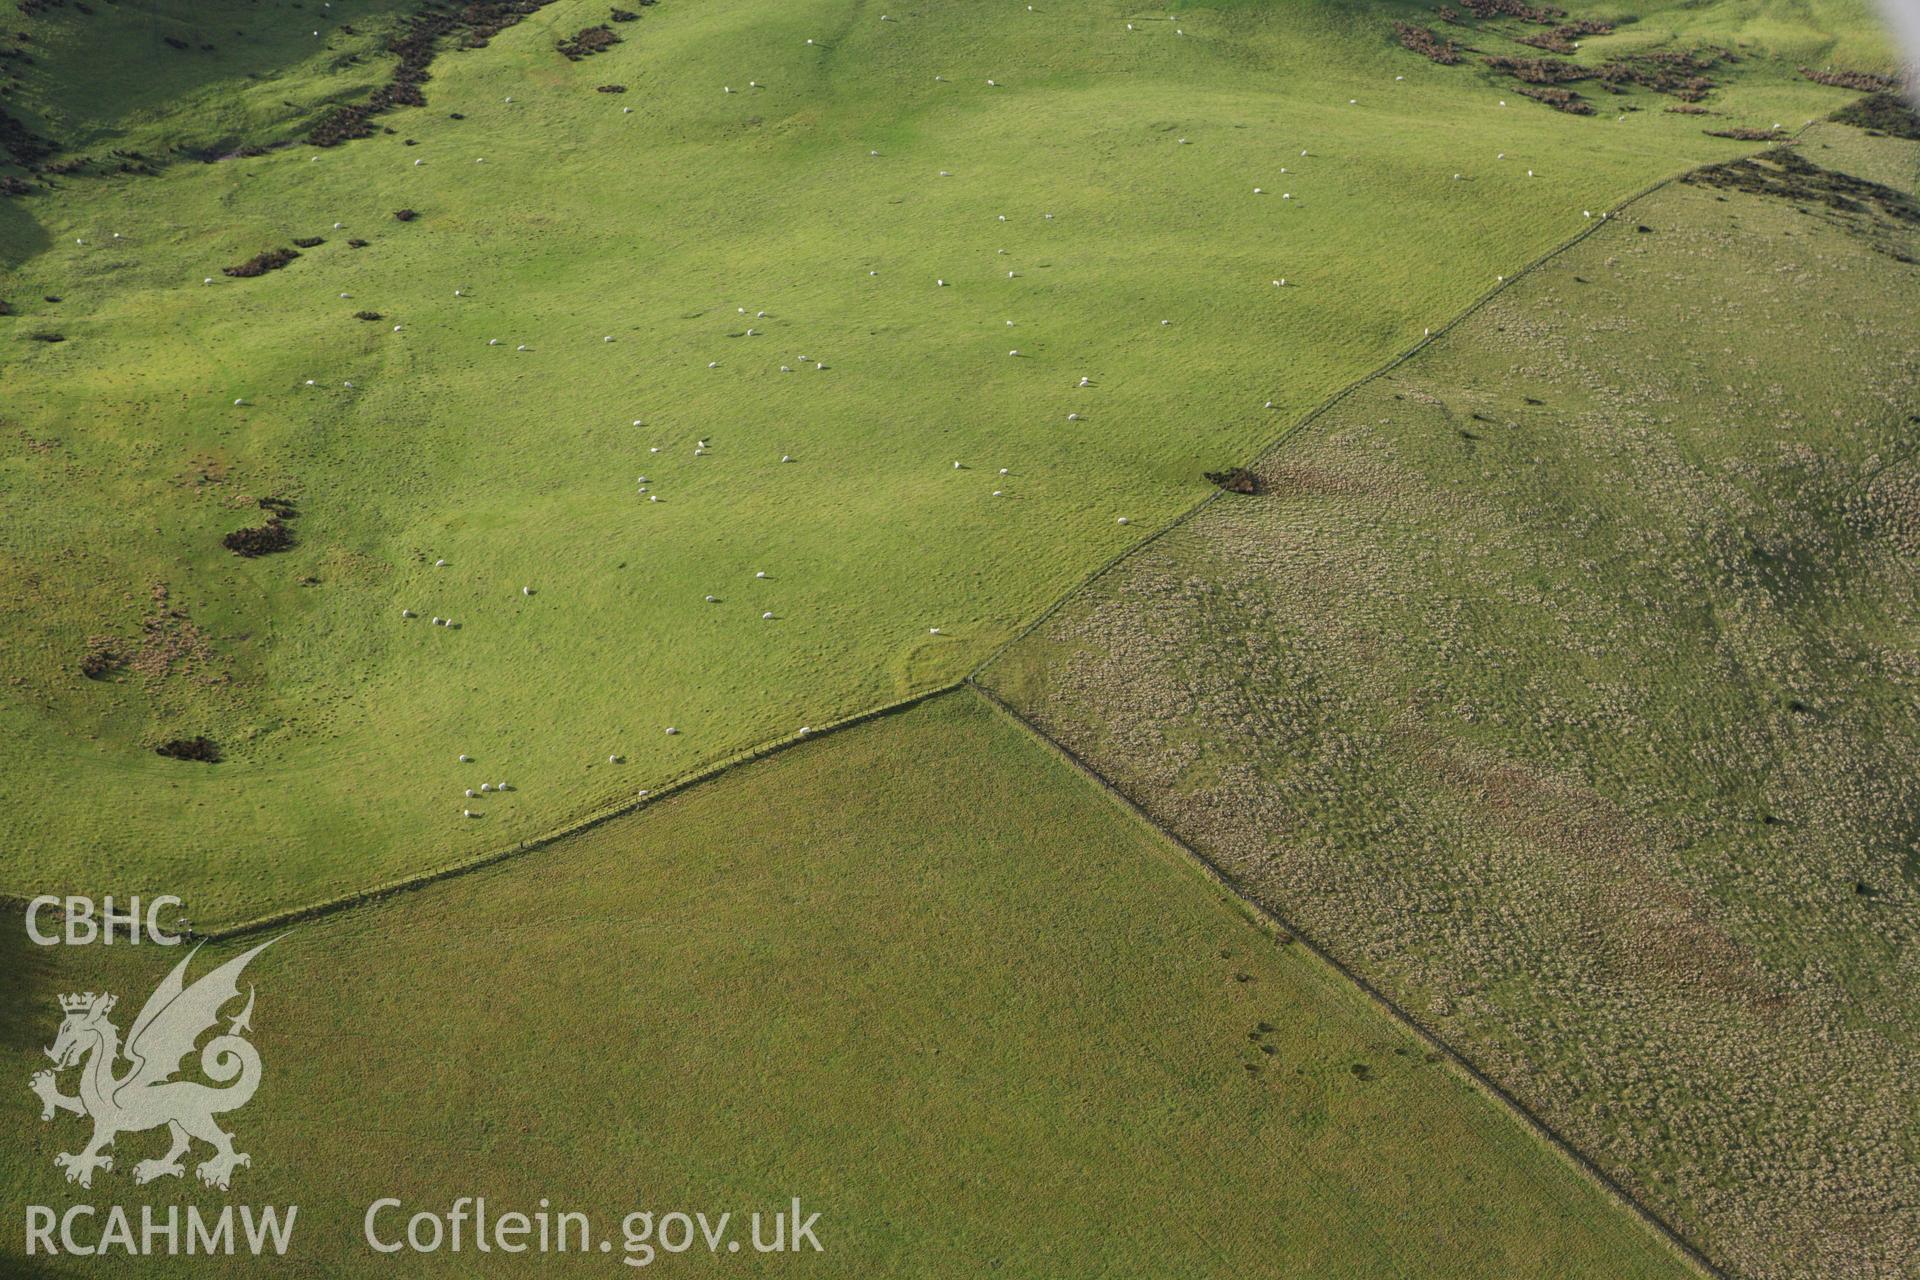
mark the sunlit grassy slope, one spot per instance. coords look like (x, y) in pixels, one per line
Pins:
(865, 167)
(920, 975)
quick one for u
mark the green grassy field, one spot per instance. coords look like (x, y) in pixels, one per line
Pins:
(919, 974)
(667, 218)
(1563, 682)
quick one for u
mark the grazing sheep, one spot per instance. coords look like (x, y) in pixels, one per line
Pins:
(468, 813)
(761, 574)
(767, 616)
(471, 793)
(407, 613)
(526, 591)
(1124, 520)
(485, 786)
(465, 759)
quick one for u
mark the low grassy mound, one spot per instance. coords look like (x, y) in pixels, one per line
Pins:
(1564, 682)
(919, 974)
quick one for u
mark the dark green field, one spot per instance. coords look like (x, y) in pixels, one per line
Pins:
(920, 975)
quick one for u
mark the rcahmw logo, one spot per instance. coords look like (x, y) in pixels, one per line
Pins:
(144, 1096)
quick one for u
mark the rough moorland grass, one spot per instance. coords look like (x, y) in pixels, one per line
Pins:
(919, 974)
(1566, 683)
(126, 461)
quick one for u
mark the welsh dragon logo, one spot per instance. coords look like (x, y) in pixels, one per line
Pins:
(145, 1095)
